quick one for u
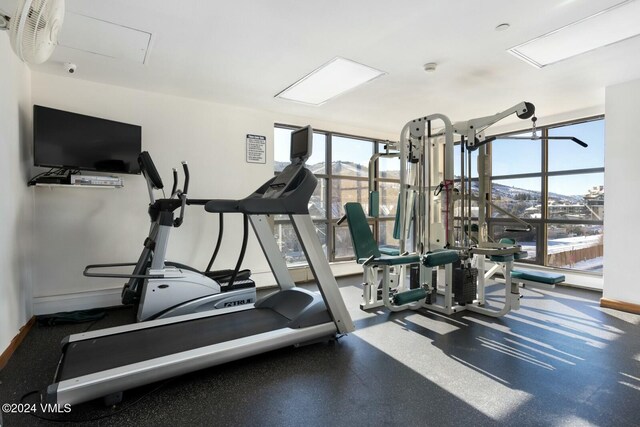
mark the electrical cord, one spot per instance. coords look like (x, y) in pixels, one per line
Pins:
(46, 173)
(53, 172)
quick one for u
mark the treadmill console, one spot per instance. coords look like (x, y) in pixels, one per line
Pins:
(301, 146)
(148, 169)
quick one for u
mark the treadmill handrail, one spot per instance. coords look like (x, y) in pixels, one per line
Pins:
(154, 323)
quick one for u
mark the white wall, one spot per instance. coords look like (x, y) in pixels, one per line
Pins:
(79, 226)
(622, 204)
(16, 202)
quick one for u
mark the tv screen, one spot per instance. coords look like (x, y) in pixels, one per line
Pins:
(75, 141)
(301, 143)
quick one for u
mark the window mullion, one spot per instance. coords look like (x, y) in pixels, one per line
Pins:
(543, 232)
(331, 250)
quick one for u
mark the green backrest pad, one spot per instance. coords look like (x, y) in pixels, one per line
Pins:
(374, 204)
(364, 244)
(396, 222)
(538, 276)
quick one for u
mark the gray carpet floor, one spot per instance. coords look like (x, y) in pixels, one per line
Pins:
(560, 360)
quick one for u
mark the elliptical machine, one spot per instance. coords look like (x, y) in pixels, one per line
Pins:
(163, 289)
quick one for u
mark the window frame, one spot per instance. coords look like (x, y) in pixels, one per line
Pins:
(329, 176)
(543, 223)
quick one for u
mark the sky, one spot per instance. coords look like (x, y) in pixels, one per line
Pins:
(520, 156)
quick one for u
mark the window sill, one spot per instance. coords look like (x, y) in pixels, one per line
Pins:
(577, 279)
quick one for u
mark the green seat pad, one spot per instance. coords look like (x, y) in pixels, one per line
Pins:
(501, 258)
(389, 250)
(538, 276)
(521, 255)
(392, 260)
(440, 257)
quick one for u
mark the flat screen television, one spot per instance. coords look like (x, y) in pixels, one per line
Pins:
(68, 140)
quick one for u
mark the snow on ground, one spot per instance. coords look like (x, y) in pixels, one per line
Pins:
(567, 244)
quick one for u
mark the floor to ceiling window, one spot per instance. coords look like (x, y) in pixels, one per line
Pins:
(558, 187)
(341, 164)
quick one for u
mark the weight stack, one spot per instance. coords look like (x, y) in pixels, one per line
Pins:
(414, 276)
(465, 284)
(432, 294)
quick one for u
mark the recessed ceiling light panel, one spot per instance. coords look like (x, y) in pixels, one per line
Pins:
(612, 25)
(330, 80)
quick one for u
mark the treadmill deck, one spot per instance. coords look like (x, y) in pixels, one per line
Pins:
(97, 354)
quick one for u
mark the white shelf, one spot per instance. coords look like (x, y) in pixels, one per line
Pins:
(77, 186)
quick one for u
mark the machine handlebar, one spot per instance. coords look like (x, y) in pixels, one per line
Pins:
(185, 168)
(153, 181)
(182, 195)
(175, 182)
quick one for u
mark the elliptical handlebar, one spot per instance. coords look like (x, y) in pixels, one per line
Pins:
(185, 168)
(175, 182)
(154, 181)
(182, 195)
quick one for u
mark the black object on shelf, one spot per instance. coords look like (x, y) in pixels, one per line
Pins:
(57, 176)
(52, 180)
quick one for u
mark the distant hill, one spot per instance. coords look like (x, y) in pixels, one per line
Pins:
(500, 191)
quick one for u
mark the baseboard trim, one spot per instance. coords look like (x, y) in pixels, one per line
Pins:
(620, 305)
(76, 301)
(105, 298)
(15, 343)
(111, 297)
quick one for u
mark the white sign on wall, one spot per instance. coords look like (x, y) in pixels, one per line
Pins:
(256, 149)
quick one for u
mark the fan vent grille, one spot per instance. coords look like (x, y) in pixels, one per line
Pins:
(35, 27)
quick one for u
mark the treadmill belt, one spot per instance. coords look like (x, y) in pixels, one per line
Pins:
(99, 354)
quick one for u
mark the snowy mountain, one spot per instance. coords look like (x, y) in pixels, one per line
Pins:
(501, 193)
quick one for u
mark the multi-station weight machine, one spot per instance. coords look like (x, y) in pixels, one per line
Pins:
(446, 250)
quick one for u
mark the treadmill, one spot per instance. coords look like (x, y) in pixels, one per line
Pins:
(104, 363)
